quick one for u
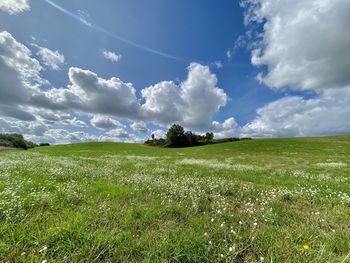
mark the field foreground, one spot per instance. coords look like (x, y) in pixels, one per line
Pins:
(273, 200)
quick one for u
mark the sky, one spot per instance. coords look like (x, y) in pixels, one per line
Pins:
(83, 70)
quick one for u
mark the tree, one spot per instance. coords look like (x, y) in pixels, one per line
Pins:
(191, 138)
(176, 136)
(209, 136)
(152, 136)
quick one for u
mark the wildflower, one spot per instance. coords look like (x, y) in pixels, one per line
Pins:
(23, 253)
(231, 248)
(210, 242)
(306, 247)
(205, 233)
(222, 255)
(44, 261)
(43, 249)
(212, 220)
(261, 258)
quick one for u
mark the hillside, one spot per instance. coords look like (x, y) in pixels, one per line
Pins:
(264, 200)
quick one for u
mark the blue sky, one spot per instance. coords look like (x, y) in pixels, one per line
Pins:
(156, 41)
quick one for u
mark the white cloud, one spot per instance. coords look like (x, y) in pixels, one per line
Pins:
(192, 103)
(111, 56)
(14, 6)
(327, 114)
(105, 123)
(159, 134)
(139, 127)
(50, 58)
(218, 64)
(23, 127)
(94, 95)
(305, 44)
(51, 117)
(19, 77)
(229, 128)
(118, 133)
(61, 136)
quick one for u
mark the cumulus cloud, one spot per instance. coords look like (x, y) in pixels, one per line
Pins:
(139, 127)
(159, 134)
(16, 126)
(327, 114)
(61, 136)
(305, 44)
(192, 103)
(50, 58)
(14, 6)
(94, 95)
(19, 77)
(105, 123)
(119, 133)
(229, 128)
(111, 56)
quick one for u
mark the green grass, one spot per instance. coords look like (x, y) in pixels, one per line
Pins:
(246, 201)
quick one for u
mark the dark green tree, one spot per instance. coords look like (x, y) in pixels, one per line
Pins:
(209, 136)
(176, 136)
(191, 139)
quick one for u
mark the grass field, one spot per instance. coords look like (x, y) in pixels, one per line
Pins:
(271, 200)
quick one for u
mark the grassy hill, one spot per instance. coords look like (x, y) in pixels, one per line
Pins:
(270, 200)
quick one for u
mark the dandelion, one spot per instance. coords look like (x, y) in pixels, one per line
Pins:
(205, 233)
(231, 248)
(212, 220)
(306, 247)
(210, 242)
(222, 255)
(44, 261)
(261, 258)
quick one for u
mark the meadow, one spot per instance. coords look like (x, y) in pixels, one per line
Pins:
(268, 200)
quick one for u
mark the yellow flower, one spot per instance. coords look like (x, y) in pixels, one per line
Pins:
(306, 247)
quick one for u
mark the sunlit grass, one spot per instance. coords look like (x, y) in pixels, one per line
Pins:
(280, 200)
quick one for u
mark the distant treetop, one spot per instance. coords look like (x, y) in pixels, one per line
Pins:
(178, 137)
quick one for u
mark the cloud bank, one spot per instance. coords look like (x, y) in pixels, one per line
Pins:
(303, 47)
(192, 102)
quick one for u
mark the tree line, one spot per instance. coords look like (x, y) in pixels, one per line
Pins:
(15, 140)
(178, 137)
